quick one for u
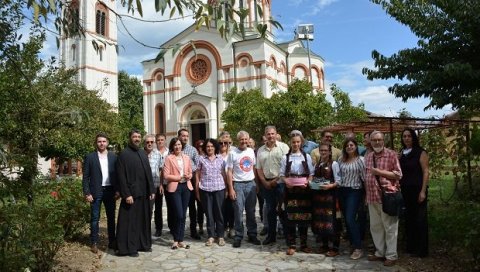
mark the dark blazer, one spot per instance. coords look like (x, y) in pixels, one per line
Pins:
(92, 173)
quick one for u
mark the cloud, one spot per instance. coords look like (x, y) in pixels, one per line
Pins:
(319, 6)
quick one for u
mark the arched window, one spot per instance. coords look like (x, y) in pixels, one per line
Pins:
(74, 52)
(159, 119)
(101, 20)
(100, 52)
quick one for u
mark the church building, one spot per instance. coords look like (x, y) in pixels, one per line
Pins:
(95, 54)
(185, 90)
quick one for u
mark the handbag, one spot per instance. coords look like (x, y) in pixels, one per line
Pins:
(391, 202)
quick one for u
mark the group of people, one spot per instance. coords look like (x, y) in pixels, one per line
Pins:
(303, 184)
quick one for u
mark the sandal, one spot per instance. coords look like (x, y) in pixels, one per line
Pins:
(209, 242)
(290, 251)
(174, 246)
(306, 249)
(182, 245)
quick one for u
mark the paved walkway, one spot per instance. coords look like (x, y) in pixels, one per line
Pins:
(246, 258)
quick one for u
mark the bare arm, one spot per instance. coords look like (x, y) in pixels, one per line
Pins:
(425, 177)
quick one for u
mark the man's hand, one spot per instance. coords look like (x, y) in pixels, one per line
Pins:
(152, 196)
(232, 194)
(117, 195)
(129, 200)
(89, 198)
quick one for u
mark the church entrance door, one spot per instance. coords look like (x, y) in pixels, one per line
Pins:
(199, 132)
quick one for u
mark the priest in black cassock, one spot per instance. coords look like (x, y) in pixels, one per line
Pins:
(136, 189)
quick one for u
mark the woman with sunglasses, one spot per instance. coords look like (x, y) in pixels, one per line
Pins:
(225, 142)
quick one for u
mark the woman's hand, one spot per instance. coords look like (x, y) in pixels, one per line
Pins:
(421, 197)
(197, 194)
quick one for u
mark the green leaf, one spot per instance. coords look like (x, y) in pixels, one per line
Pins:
(36, 10)
(160, 55)
(172, 12)
(52, 5)
(139, 8)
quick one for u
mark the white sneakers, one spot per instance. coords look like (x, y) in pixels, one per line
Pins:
(357, 254)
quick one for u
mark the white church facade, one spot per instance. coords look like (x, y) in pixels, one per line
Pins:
(185, 90)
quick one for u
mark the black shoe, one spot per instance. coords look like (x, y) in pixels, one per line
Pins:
(112, 245)
(269, 241)
(264, 232)
(195, 236)
(146, 250)
(134, 255)
(237, 243)
(254, 240)
(200, 230)
(158, 233)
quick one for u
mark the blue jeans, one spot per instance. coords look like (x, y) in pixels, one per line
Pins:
(351, 200)
(272, 198)
(107, 196)
(246, 200)
(179, 201)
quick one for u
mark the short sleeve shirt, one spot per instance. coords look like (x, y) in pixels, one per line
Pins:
(242, 163)
(268, 159)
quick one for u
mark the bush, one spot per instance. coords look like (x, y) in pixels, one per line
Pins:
(32, 233)
(453, 221)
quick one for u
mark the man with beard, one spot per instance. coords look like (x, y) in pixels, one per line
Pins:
(136, 189)
(382, 169)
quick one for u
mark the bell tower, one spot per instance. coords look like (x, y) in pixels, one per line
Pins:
(94, 54)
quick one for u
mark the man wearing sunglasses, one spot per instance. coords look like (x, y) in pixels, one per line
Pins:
(155, 160)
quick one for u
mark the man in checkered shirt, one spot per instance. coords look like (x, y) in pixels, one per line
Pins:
(382, 163)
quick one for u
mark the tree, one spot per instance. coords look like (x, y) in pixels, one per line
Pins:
(445, 66)
(130, 100)
(228, 20)
(343, 108)
(297, 108)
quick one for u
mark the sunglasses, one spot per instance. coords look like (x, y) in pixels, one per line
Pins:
(225, 143)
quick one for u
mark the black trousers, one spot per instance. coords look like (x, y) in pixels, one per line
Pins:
(416, 221)
(157, 213)
(195, 210)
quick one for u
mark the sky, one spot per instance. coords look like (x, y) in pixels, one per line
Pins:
(346, 33)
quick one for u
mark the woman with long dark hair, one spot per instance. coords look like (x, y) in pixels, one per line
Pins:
(414, 184)
(352, 170)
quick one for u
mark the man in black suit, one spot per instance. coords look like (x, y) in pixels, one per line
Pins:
(100, 185)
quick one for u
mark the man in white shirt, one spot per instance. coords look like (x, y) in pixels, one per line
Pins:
(242, 188)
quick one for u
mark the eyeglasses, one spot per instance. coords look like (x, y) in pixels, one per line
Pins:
(376, 140)
(149, 142)
(328, 136)
(225, 143)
